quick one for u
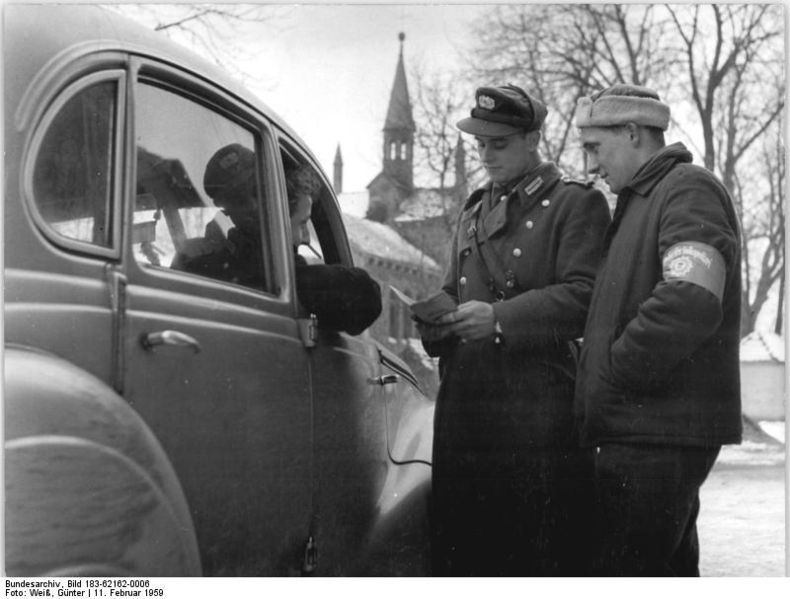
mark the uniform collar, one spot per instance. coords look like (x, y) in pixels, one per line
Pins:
(529, 189)
(537, 181)
(530, 185)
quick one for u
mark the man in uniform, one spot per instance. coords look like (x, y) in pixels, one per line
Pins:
(658, 390)
(511, 487)
(341, 297)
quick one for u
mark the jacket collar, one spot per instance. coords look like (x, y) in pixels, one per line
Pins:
(643, 182)
(652, 171)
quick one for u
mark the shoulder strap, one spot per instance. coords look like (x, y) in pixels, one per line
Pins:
(501, 283)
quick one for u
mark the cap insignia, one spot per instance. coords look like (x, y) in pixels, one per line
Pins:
(486, 102)
(229, 160)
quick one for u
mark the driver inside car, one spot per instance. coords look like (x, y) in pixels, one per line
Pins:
(342, 298)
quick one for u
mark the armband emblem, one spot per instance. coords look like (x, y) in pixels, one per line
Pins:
(680, 267)
(697, 263)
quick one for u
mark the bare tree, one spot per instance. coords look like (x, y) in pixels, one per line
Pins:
(444, 160)
(561, 52)
(720, 66)
(439, 102)
(734, 66)
(215, 31)
(763, 226)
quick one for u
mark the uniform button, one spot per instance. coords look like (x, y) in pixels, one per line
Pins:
(517, 252)
(462, 280)
(545, 203)
(502, 198)
(530, 224)
(466, 252)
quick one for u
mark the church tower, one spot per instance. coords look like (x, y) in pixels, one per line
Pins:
(399, 130)
(460, 189)
(337, 180)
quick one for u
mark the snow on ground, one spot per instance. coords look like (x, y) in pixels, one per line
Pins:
(758, 452)
(742, 525)
(741, 522)
(777, 429)
(751, 453)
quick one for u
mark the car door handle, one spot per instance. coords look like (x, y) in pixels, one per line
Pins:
(385, 379)
(174, 338)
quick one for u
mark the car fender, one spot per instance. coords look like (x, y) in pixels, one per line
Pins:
(88, 488)
(398, 542)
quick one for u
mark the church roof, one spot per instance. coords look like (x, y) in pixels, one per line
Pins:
(426, 204)
(399, 115)
(423, 204)
(388, 179)
(379, 240)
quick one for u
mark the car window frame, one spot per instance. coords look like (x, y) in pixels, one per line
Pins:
(339, 251)
(279, 297)
(32, 151)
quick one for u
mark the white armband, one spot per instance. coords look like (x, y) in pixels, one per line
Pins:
(697, 263)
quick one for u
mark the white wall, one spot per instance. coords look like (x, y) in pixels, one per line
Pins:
(763, 390)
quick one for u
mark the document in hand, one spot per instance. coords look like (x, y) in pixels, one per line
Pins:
(429, 309)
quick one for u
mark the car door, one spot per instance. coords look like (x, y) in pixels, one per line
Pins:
(364, 522)
(55, 281)
(217, 367)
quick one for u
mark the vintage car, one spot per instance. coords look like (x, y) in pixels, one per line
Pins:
(160, 422)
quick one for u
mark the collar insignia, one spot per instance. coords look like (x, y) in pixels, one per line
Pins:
(534, 185)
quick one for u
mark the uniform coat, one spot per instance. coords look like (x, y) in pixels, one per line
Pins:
(660, 359)
(504, 441)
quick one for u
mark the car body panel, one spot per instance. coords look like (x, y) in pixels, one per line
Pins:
(264, 436)
(116, 505)
(234, 418)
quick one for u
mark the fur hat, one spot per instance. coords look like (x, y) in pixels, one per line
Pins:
(621, 104)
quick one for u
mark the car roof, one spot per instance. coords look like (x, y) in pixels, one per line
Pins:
(35, 34)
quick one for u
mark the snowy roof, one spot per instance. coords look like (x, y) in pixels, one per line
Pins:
(425, 203)
(354, 203)
(763, 347)
(382, 241)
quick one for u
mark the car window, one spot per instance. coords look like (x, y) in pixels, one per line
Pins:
(72, 172)
(199, 200)
(316, 243)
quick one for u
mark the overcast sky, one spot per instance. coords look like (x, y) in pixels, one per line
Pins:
(328, 69)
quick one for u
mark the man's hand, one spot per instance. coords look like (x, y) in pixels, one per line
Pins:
(472, 320)
(431, 332)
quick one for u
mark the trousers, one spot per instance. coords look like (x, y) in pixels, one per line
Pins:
(524, 512)
(647, 502)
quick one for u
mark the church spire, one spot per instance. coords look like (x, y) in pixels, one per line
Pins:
(399, 130)
(337, 182)
(399, 114)
(460, 169)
